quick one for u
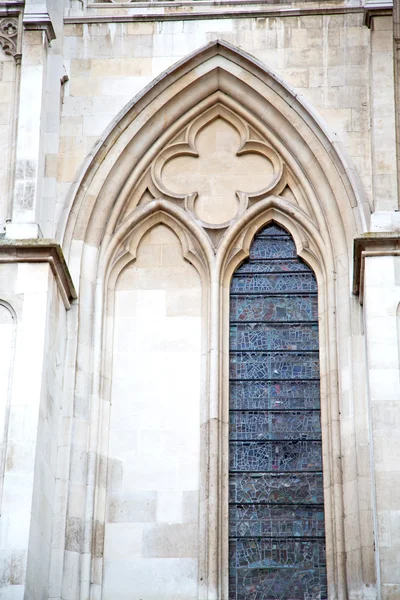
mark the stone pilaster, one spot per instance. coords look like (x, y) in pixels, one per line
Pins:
(35, 291)
(38, 33)
(396, 58)
(377, 281)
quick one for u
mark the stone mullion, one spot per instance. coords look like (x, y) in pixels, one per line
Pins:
(396, 62)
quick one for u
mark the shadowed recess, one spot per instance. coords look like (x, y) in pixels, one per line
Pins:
(276, 510)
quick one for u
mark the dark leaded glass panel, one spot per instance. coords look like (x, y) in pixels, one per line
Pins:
(274, 365)
(276, 513)
(263, 307)
(276, 488)
(274, 394)
(275, 425)
(273, 336)
(264, 569)
(274, 282)
(278, 521)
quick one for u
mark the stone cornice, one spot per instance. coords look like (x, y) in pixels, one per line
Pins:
(39, 21)
(371, 244)
(183, 11)
(38, 251)
(376, 9)
(8, 9)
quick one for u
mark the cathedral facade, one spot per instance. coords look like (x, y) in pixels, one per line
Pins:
(199, 300)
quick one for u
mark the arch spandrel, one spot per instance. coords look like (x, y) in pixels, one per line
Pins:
(224, 76)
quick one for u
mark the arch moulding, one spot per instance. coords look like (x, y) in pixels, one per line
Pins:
(313, 192)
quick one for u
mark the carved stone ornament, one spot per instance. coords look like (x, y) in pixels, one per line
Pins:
(9, 35)
(216, 168)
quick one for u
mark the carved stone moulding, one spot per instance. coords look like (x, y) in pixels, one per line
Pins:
(216, 167)
(39, 251)
(9, 28)
(371, 244)
(40, 21)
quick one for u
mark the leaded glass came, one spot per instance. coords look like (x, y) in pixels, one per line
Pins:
(276, 511)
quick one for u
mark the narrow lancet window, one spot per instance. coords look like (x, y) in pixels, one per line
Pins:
(276, 512)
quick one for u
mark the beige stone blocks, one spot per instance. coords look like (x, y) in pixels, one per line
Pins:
(324, 58)
(150, 398)
(381, 303)
(153, 483)
(383, 128)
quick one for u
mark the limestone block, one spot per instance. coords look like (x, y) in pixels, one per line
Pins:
(135, 507)
(76, 106)
(395, 527)
(70, 587)
(390, 591)
(297, 77)
(127, 67)
(140, 28)
(170, 506)
(381, 41)
(190, 506)
(387, 453)
(171, 579)
(390, 565)
(95, 125)
(80, 67)
(165, 540)
(384, 384)
(123, 540)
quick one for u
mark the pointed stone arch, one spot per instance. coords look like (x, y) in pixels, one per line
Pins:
(102, 213)
(216, 73)
(315, 249)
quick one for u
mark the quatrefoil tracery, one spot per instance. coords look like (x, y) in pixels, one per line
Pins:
(206, 164)
(9, 35)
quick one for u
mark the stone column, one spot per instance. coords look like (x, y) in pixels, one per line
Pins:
(377, 277)
(383, 134)
(38, 32)
(35, 291)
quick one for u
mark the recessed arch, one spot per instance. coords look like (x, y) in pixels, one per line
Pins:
(315, 249)
(100, 239)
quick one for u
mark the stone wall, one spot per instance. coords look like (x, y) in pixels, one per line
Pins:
(113, 415)
(324, 58)
(381, 305)
(26, 522)
(152, 524)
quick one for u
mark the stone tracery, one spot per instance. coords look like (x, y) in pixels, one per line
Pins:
(228, 165)
(112, 215)
(9, 35)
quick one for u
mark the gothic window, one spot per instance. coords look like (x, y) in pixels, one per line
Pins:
(276, 511)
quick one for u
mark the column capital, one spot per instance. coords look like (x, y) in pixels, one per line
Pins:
(371, 244)
(36, 21)
(39, 251)
(376, 8)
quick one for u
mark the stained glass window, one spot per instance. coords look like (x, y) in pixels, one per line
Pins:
(276, 510)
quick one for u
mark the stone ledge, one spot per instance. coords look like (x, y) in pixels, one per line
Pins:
(11, 9)
(371, 244)
(39, 22)
(376, 9)
(37, 251)
(189, 11)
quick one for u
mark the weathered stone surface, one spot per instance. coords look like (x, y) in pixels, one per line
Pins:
(114, 397)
